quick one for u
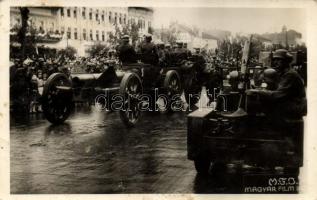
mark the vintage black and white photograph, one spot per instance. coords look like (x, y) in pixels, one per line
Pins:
(157, 100)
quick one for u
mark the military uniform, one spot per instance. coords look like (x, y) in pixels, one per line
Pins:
(127, 54)
(288, 101)
(179, 55)
(149, 53)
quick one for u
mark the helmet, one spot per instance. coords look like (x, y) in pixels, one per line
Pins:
(270, 73)
(282, 54)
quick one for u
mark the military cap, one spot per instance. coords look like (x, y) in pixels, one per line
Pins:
(282, 54)
(148, 36)
(125, 37)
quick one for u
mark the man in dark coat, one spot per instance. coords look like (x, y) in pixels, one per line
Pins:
(149, 51)
(126, 52)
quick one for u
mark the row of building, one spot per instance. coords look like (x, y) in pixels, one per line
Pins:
(81, 27)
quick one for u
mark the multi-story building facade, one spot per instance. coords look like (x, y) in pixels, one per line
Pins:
(82, 27)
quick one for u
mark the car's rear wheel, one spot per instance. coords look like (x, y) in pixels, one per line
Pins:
(130, 91)
(57, 98)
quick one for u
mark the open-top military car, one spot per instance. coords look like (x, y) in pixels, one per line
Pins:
(237, 130)
(128, 83)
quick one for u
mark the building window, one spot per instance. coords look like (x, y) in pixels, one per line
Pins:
(110, 16)
(62, 12)
(62, 30)
(90, 14)
(84, 34)
(103, 17)
(97, 17)
(90, 35)
(84, 13)
(97, 35)
(69, 33)
(68, 12)
(115, 18)
(75, 34)
(75, 13)
(103, 36)
(124, 19)
(120, 19)
(149, 24)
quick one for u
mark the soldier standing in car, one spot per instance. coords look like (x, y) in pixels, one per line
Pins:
(161, 54)
(149, 51)
(126, 52)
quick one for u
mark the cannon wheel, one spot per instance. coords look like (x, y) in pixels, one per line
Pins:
(130, 89)
(57, 98)
(192, 92)
(173, 87)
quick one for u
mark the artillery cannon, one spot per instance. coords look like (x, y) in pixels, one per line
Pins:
(129, 83)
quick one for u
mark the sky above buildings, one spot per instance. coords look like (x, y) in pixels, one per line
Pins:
(244, 20)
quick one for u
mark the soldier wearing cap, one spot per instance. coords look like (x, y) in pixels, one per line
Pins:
(126, 52)
(167, 53)
(149, 52)
(179, 55)
(161, 54)
(288, 100)
(188, 52)
(198, 60)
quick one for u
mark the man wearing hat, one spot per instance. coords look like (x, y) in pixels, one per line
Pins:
(149, 51)
(126, 52)
(161, 53)
(289, 98)
(179, 55)
(167, 53)
(188, 52)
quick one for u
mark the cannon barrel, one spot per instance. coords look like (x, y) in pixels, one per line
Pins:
(85, 77)
(90, 77)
